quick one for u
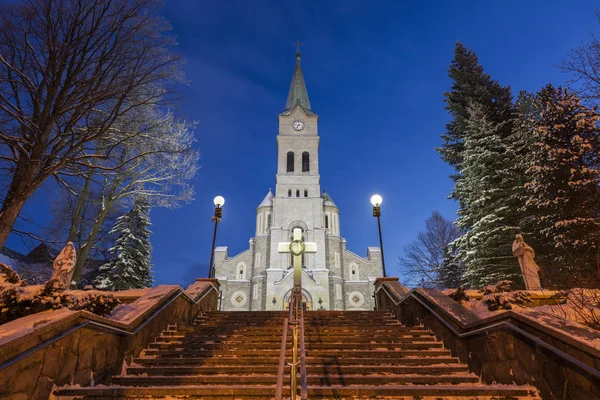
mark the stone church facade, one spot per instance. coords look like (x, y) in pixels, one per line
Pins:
(333, 278)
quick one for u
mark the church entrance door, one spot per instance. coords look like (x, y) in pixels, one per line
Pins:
(307, 305)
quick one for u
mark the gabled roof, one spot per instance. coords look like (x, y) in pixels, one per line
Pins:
(267, 201)
(327, 199)
(298, 96)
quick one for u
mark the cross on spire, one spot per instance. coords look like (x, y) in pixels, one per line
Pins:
(298, 44)
(298, 94)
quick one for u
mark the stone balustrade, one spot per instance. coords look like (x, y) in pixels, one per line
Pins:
(559, 357)
(77, 347)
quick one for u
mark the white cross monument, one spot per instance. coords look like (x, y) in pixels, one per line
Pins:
(297, 247)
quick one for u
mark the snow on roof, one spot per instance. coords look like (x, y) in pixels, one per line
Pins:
(267, 201)
(327, 199)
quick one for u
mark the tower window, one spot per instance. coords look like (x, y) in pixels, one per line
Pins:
(290, 161)
(354, 272)
(289, 192)
(305, 193)
(241, 271)
(305, 162)
(268, 222)
(297, 193)
(326, 222)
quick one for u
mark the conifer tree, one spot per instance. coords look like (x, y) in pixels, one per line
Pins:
(451, 271)
(563, 181)
(470, 84)
(130, 268)
(487, 202)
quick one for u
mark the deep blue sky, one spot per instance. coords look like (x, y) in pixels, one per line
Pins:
(375, 72)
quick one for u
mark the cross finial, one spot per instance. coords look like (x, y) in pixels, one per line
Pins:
(298, 44)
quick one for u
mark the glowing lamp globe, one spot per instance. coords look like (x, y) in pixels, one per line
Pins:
(219, 201)
(376, 200)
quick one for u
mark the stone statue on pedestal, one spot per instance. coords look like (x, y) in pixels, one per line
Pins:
(529, 267)
(64, 267)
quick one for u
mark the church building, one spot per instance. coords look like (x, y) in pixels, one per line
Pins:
(333, 278)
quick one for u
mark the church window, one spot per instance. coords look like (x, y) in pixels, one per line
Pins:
(338, 291)
(337, 259)
(297, 193)
(305, 193)
(289, 192)
(241, 271)
(290, 161)
(256, 291)
(305, 162)
(354, 272)
(326, 222)
(302, 260)
(257, 260)
(268, 222)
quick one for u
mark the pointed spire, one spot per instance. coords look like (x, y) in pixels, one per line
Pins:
(298, 94)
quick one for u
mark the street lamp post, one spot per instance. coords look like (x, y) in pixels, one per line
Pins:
(376, 200)
(219, 202)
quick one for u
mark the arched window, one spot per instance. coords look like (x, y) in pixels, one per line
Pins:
(241, 271)
(326, 222)
(305, 162)
(302, 258)
(353, 272)
(290, 161)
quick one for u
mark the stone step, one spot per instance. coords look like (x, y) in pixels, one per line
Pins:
(309, 335)
(262, 379)
(472, 392)
(313, 331)
(278, 327)
(311, 369)
(334, 360)
(315, 345)
(342, 318)
(383, 353)
(312, 338)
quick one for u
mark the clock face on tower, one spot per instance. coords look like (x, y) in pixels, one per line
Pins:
(298, 125)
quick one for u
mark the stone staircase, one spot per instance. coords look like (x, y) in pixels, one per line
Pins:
(350, 355)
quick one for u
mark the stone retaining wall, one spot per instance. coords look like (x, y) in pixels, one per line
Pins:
(76, 347)
(563, 364)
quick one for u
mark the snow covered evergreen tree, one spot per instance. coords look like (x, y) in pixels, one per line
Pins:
(451, 271)
(470, 84)
(563, 181)
(130, 268)
(486, 193)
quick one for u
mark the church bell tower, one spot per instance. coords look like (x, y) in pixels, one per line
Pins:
(261, 278)
(298, 144)
(297, 202)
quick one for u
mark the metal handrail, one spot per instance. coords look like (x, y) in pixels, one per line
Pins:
(303, 383)
(281, 370)
(296, 323)
(294, 364)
